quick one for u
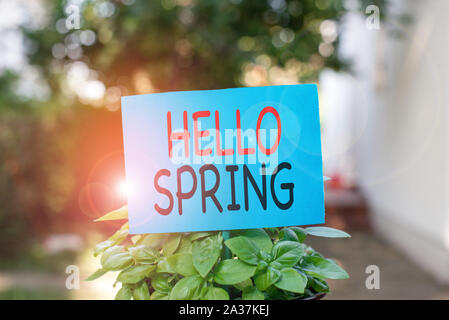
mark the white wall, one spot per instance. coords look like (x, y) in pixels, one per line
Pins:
(400, 135)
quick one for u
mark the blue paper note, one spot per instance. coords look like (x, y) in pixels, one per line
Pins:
(223, 159)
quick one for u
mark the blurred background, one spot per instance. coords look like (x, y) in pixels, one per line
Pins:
(381, 69)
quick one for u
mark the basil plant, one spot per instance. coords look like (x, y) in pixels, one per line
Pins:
(252, 264)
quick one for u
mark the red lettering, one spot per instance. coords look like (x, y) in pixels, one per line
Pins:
(239, 139)
(259, 121)
(200, 134)
(220, 152)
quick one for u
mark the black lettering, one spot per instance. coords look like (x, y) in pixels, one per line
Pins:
(284, 186)
(233, 206)
(183, 195)
(262, 197)
(209, 193)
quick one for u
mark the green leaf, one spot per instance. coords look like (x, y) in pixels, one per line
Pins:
(154, 240)
(136, 238)
(185, 246)
(199, 235)
(102, 246)
(301, 233)
(274, 293)
(252, 293)
(118, 214)
(161, 283)
(262, 266)
(318, 285)
(242, 285)
(119, 236)
(97, 274)
(164, 267)
(188, 288)
(141, 292)
(205, 253)
(156, 295)
(265, 256)
(233, 271)
(259, 237)
(116, 258)
(322, 268)
(244, 248)
(327, 232)
(171, 244)
(287, 253)
(287, 234)
(272, 232)
(135, 274)
(311, 252)
(292, 280)
(144, 254)
(267, 278)
(182, 263)
(115, 239)
(125, 293)
(214, 293)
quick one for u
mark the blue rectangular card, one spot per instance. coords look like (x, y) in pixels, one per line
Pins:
(223, 159)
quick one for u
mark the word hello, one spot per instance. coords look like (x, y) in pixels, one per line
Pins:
(198, 134)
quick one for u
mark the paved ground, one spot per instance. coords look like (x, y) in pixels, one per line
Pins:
(399, 279)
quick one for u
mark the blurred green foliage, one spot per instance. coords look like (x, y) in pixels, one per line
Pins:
(27, 294)
(192, 44)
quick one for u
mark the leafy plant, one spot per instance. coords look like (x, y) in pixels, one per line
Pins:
(251, 264)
